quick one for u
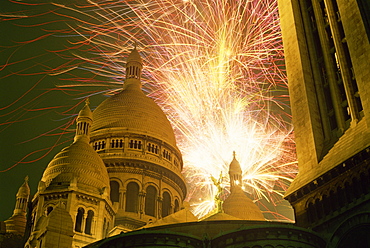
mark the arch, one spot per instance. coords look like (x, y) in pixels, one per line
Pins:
(177, 206)
(325, 204)
(114, 191)
(341, 196)
(132, 197)
(104, 228)
(150, 200)
(166, 204)
(49, 209)
(357, 187)
(364, 179)
(311, 210)
(357, 236)
(318, 209)
(353, 232)
(79, 218)
(89, 219)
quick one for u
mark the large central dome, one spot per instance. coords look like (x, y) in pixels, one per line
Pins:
(132, 111)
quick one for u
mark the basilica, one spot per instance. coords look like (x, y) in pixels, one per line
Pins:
(119, 184)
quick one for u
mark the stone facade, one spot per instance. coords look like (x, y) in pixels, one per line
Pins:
(326, 45)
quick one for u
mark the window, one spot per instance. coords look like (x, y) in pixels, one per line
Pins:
(364, 6)
(89, 219)
(166, 154)
(48, 210)
(150, 201)
(79, 218)
(99, 145)
(177, 207)
(335, 83)
(114, 191)
(166, 204)
(135, 144)
(104, 234)
(132, 197)
(116, 143)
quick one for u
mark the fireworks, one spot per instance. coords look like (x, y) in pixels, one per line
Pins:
(216, 69)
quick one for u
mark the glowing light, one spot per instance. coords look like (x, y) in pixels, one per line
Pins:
(216, 69)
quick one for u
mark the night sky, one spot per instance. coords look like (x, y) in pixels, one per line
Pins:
(31, 109)
(34, 113)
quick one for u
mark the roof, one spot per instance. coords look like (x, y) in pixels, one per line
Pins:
(77, 164)
(132, 111)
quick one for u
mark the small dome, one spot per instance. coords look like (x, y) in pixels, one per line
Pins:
(239, 205)
(24, 190)
(234, 167)
(85, 111)
(134, 57)
(132, 111)
(78, 165)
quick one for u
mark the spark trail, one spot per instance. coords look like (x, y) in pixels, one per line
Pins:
(216, 69)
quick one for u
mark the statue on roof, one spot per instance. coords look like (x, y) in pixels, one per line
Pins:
(217, 199)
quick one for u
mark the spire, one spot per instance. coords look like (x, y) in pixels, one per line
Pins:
(84, 121)
(22, 198)
(235, 173)
(134, 64)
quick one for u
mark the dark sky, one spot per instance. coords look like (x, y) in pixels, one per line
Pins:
(31, 108)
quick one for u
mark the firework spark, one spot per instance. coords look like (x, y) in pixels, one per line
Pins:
(214, 66)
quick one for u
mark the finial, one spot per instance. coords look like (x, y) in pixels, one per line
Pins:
(135, 44)
(26, 179)
(234, 154)
(87, 101)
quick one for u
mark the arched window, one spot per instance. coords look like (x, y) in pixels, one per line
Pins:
(150, 201)
(79, 217)
(132, 197)
(114, 191)
(311, 212)
(48, 210)
(90, 215)
(104, 228)
(166, 204)
(177, 206)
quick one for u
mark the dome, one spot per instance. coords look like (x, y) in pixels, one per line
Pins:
(234, 167)
(79, 165)
(132, 111)
(134, 57)
(24, 190)
(85, 111)
(239, 205)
